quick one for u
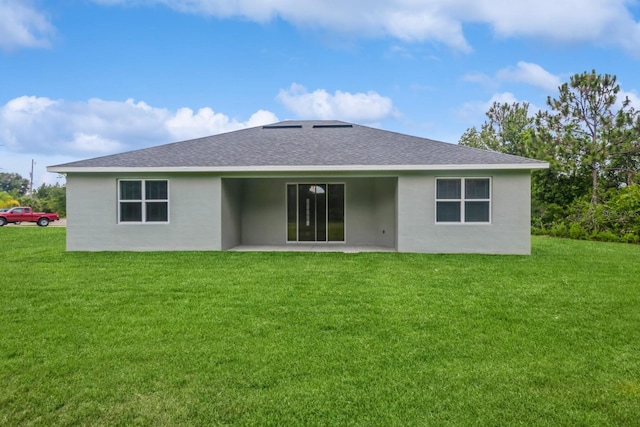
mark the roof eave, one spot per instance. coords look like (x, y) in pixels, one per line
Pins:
(304, 168)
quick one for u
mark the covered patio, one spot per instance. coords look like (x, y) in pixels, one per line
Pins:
(316, 213)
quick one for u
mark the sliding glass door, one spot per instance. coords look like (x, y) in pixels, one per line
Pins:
(315, 212)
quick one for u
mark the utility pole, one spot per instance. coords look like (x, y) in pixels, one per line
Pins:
(31, 178)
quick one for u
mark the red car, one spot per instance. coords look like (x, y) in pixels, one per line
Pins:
(26, 214)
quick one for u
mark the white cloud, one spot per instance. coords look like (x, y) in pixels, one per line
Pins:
(597, 22)
(260, 118)
(187, 125)
(21, 25)
(319, 104)
(475, 111)
(564, 21)
(531, 74)
(93, 144)
(524, 72)
(633, 97)
(43, 126)
(600, 22)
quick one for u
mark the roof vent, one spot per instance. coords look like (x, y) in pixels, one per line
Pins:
(282, 127)
(332, 126)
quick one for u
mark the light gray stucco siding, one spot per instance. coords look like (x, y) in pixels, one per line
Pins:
(361, 228)
(194, 215)
(232, 190)
(509, 230)
(263, 211)
(207, 212)
(370, 213)
(385, 202)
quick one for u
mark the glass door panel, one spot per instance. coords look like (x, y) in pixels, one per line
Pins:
(292, 212)
(335, 212)
(321, 212)
(306, 213)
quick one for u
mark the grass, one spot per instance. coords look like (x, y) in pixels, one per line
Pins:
(197, 338)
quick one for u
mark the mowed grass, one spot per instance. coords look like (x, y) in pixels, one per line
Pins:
(197, 338)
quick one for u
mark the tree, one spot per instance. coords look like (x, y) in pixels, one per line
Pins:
(506, 130)
(584, 126)
(14, 183)
(622, 167)
(592, 143)
(7, 200)
(509, 129)
(52, 198)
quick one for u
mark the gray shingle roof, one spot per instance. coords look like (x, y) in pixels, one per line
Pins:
(303, 143)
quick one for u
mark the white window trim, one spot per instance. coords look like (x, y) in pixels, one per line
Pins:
(143, 201)
(462, 201)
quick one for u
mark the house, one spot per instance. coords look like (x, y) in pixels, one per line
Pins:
(301, 184)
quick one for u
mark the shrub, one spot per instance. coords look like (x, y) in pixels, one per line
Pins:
(559, 230)
(544, 215)
(535, 231)
(605, 236)
(630, 238)
(590, 217)
(576, 231)
(616, 218)
(624, 205)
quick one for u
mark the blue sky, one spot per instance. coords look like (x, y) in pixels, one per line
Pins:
(84, 78)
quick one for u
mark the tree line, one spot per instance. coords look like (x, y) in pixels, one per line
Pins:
(590, 137)
(46, 198)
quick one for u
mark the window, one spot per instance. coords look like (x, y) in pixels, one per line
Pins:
(463, 200)
(143, 200)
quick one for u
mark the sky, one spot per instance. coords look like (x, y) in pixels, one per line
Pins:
(86, 78)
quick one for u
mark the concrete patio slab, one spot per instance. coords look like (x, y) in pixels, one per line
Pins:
(296, 247)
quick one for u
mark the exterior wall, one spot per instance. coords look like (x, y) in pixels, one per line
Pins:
(386, 201)
(231, 213)
(207, 212)
(263, 211)
(194, 215)
(369, 210)
(508, 233)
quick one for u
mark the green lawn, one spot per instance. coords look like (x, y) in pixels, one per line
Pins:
(318, 338)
